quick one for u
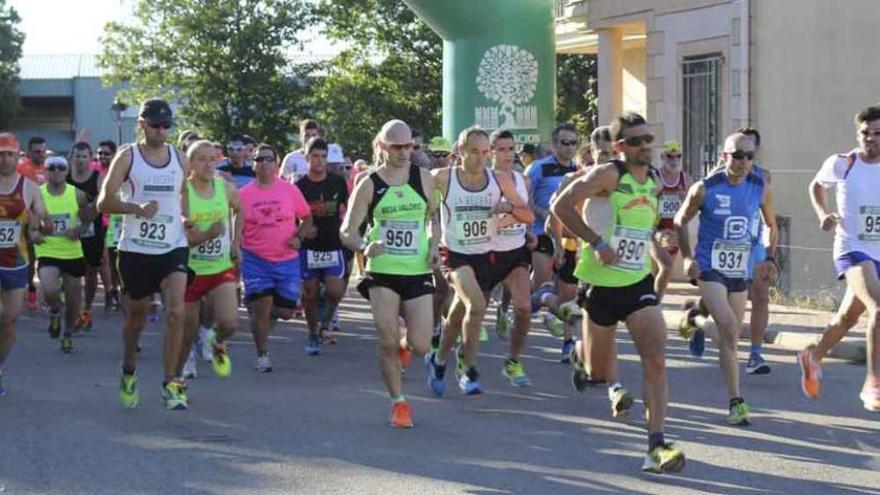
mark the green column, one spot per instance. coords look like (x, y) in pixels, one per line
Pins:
(499, 64)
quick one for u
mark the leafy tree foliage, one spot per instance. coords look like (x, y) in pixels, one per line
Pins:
(11, 40)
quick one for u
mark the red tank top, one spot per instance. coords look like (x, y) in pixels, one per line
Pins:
(670, 199)
(13, 217)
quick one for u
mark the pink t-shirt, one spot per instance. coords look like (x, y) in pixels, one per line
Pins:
(270, 218)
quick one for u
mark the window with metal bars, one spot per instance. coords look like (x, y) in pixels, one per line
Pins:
(701, 104)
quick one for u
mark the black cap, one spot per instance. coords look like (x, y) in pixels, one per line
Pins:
(155, 111)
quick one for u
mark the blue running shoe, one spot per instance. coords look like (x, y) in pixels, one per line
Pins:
(435, 376)
(469, 383)
(757, 365)
(567, 347)
(313, 346)
(697, 343)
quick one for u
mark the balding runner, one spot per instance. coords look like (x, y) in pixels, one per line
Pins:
(396, 202)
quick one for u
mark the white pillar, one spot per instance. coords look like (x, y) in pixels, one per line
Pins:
(610, 73)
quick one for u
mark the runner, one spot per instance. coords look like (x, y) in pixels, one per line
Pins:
(323, 260)
(728, 204)
(236, 168)
(295, 166)
(513, 258)
(152, 250)
(276, 219)
(615, 268)
(33, 167)
(19, 198)
(106, 152)
(396, 202)
(88, 181)
(855, 176)
(59, 252)
(214, 250)
(675, 184)
(472, 197)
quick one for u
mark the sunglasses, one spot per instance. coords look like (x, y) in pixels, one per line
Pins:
(56, 168)
(739, 155)
(235, 149)
(568, 142)
(163, 125)
(440, 154)
(264, 159)
(638, 140)
(677, 156)
(104, 153)
(398, 147)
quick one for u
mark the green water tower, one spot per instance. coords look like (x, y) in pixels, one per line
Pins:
(499, 64)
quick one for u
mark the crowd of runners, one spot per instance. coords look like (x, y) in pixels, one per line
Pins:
(586, 235)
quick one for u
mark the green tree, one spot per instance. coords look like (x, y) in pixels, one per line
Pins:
(225, 63)
(11, 40)
(576, 96)
(392, 69)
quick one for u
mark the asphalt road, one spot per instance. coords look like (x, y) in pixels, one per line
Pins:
(319, 424)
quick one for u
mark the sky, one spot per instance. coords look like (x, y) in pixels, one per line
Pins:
(68, 27)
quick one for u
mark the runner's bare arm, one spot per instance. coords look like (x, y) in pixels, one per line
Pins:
(108, 202)
(769, 215)
(36, 207)
(441, 180)
(692, 203)
(434, 220)
(520, 210)
(237, 218)
(355, 214)
(819, 198)
(600, 180)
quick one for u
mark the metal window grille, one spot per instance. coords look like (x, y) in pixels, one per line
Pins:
(701, 83)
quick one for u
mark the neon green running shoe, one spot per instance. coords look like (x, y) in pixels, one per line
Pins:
(664, 459)
(174, 396)
(514, 371)
(502, 323)
(739, 415)
(554, 326)
(128, 393)
(220, 361)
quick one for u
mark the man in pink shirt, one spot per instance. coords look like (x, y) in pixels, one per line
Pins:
(276, 220)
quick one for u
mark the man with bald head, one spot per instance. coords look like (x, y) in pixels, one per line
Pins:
(727, 203)
(396, 201)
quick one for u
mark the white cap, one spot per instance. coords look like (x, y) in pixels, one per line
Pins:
(55, 160)
(334, 153)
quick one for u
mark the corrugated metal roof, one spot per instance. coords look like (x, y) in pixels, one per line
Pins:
(58, 66)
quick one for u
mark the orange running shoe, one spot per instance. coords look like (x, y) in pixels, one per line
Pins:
(401, 415)
(405, 355)
(811, 372)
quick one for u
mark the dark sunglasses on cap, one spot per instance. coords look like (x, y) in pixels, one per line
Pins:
(161, 125)
(56, 168)
(262, 159)
(739, 155)
(638, 140)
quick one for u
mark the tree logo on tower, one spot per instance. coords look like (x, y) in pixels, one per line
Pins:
(507, 75)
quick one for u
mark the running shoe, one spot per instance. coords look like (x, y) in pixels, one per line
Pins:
(334, 321)
(220, 362)
(811, 372)
(401, 415)
(567, 348)
(697, 343)
(664, 459)
(32, 298)
(502, 323)
(435, 375)
(621, 401)
(128, 392)
(871, 398)
(579, 377)
(404, 354)
(569, 311)
(513, 370)
(203, 343)
(544, 289)
(67, 344)
(54, 325)
(264, 365)
(174, 396)
(189, 368)
(313, 346)
(554, 325)
(757, 365)
(326, 337)
(84, 321)
(687, 325)
(739, 415)
(469, 383)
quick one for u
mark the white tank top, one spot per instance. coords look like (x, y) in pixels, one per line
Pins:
(513, 236)
(163, 232)
(466, 216)
(858, 204)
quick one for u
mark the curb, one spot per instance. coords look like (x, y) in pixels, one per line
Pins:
(849, 349)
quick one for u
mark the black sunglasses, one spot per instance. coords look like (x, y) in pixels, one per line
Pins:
(638, 140)
(739, 155)
(261, 159)
(56, 168)
(568, 142)
(163, 125)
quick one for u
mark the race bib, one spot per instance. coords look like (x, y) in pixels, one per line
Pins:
(10, 233)
(731, 258)
(321, 259)
(631, 247)
(153, 232)
(669, 205)
(401, 237)
(474, 227)
(60, 223)
(211, 250)
(869, 223)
